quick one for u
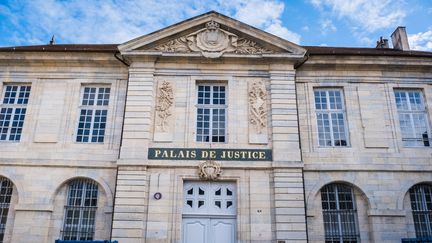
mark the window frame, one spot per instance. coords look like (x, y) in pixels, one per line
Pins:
(67, 234)
(329, 112)
(92, 108)
(407, 141)
(14, 106)
(339, 234)
(5, 204)
(211, 107)
(418, 192)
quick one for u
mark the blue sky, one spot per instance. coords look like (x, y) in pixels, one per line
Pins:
(357, 23)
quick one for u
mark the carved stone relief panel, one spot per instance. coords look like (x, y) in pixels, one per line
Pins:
(213, 42)
(209, 170)
(164, 115)
(257, 113)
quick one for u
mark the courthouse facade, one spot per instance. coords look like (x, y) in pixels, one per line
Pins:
(211, 130)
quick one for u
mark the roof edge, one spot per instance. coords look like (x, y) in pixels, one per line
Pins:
(107, 48)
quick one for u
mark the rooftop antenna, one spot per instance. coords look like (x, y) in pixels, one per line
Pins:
(52, 41)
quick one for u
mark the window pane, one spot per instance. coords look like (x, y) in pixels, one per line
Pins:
(210, 126)
(413, 120)
(331, 122)
(339, 214)
(13, 110)
(421, 198)
(80, 210)
(5, 198)
(93, 115)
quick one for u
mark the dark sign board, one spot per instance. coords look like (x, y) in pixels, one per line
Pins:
(210, 154)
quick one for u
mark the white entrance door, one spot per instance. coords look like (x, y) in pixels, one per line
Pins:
(209, 212)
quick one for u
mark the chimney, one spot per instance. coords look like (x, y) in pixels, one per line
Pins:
(400, 39)
(382, 43)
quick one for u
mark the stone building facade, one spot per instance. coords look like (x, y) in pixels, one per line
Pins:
(211, 130)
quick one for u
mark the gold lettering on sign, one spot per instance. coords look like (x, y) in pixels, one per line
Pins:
(193, 154)
(157, 153)
(208, 154)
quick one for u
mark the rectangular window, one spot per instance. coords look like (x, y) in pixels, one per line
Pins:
(211, 114)
(93, 114)
(412, 117)
(331, 117)
(12, 111)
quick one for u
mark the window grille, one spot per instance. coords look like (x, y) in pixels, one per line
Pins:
(93, 115)
(5, 198)
(331, 118)
(339, 214)
(413, 118)
(12, 111)
(421, 205)
(211, 114)
(80, 210)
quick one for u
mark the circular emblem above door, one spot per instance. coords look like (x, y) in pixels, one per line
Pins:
(209, 170)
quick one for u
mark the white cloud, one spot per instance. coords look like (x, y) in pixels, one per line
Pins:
(259, 13)
(281, 31)
(113, 21)
(369, 15)
(326, 26)
(421, 41)
(265, 15)
(363, 38)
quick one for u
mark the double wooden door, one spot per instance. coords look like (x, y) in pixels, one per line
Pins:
(209, 212)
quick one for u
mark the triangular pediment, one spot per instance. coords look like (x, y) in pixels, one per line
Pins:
(211, 35)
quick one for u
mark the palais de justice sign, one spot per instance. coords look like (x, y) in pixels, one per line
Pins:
(210, 154)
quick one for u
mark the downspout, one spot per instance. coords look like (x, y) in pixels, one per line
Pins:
(122, 60)
(296, 66)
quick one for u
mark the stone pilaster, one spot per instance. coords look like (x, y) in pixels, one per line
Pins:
(137, 126)
(290, 218)
(290, 221)
(286, 146)
(130, 205)
(131, 200)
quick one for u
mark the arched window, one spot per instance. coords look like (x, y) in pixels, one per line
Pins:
(421, 205)
(339, 214)
(80, 210)
(5, 198)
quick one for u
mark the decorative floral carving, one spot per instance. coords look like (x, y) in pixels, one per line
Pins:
(176, 45)
(209, 170)
(245, 46)
(165, 101)
(212, 42)
(257, 107)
